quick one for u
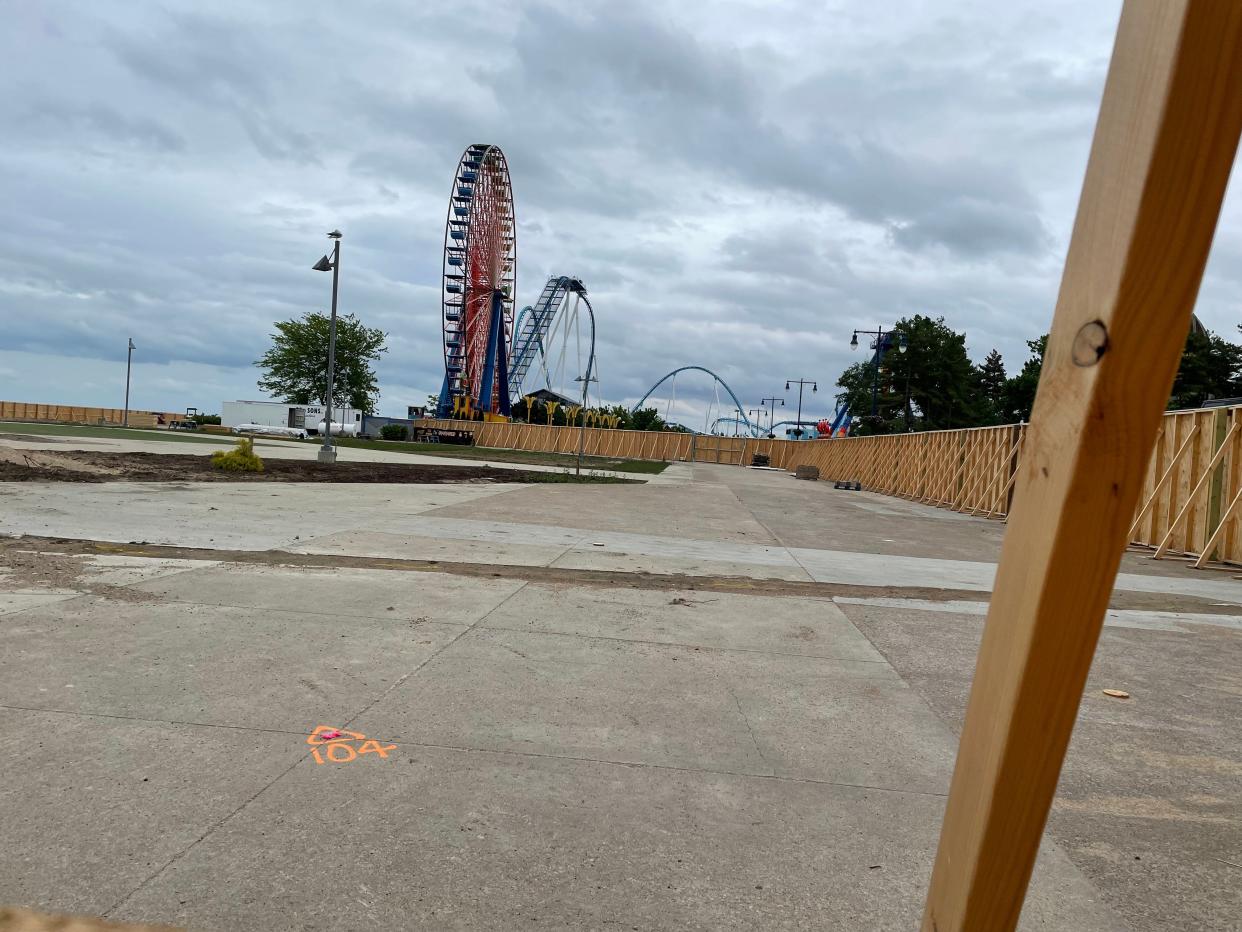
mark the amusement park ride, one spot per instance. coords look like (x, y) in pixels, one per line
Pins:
(492, 358)
(488, 355)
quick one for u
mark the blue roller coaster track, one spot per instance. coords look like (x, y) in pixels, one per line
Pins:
(533, 324)
(741, 412)
(841, 418)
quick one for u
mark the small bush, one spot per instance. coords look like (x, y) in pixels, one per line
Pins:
(394, 432)
(241, 458)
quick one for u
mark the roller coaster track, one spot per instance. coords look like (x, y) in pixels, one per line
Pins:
(532, 326)
(741, 412)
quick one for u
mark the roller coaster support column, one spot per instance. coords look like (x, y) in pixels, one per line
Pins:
(586, 383)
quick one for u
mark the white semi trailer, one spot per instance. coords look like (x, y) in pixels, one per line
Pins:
(345, 421)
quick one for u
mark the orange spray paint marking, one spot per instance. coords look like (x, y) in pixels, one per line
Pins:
(333, 745)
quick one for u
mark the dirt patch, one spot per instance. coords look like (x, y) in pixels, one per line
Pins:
(44, 570)
(30, 465)
(89, 466)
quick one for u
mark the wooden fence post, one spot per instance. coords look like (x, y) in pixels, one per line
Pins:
(1163, 149)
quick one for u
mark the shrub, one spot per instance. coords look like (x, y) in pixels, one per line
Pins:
(394, 432)
(241, 458)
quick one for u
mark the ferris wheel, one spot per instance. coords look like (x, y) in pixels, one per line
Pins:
(479, 282)
(554, 343)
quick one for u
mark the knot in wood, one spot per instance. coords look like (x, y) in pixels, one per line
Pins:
(1090, 343)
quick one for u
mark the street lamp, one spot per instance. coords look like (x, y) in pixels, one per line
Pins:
(757, 414)
(801, 383)
(327, 454)
(883, 340)
(772, 414)
(129, 360)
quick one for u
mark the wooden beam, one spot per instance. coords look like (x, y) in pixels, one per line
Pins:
(1218, 533)
(998, 473)
(1163, 149)
(1159, 486)
(1194, 493)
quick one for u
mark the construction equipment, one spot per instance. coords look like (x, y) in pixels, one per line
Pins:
(189, 422)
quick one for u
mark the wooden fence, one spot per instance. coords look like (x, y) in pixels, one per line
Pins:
(1191, 501)
(73, 414)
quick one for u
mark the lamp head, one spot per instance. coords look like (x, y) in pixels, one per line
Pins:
(854, 340)
(323, 265)
(786, 386)
(901, 342)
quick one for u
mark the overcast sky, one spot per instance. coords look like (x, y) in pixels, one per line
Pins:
(739, 184)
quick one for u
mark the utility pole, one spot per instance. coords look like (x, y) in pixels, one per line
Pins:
(129, 360)
(772, 418)
(801, 383)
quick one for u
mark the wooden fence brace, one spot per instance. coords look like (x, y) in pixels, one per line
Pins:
(980, 479)
(998, 473)
(1203, 482)
(1163, 149)
(1159, 486)
(944, 464)
(944, 475)
(961, 457)
(995, 502)
(1210, 546)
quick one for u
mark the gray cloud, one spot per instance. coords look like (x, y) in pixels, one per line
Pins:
(740, 185)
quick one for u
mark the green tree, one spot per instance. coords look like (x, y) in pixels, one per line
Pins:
(645, 419)
(1019, 393)
(1209, 369)
(941, 381)
(992, 387)
(296, 366)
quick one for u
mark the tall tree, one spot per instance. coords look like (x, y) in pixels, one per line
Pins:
(295, 368)
(1019, 393)
(931, 386)
(1209, 369)
(936, 375)
(992, 386)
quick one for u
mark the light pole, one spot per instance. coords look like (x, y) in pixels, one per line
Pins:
(129, 360)
(801, 383)
(757, 414)
(772, 417)
(327, 454)
(884, 340)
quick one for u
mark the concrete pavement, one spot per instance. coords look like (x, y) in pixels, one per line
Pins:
(559, 751)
